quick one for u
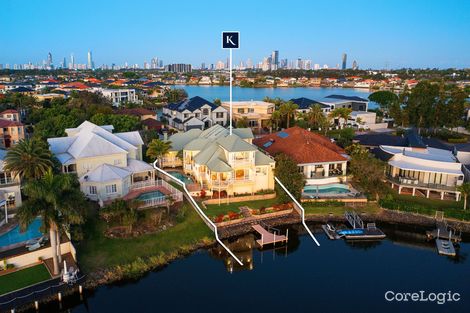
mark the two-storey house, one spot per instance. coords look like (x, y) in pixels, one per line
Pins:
(257, 113)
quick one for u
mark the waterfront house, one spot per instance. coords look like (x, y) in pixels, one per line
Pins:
(257, 113)
(305, 104)
(224, 164)
(119, 96)
(195, 112)
(109, 165)
(11, 129)
(419, 170)
(352, 102)
(320, 160)
(10, 192)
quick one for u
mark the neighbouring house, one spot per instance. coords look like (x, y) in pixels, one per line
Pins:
(305, 104)
(257, 113)
(224, 164)
(422, 171)
(109, 165)
(195, 112)
(10, 186)
(119, 96)
(152, 123)
(11, 129)
(320, 160)
(353, 102)
(141, 113)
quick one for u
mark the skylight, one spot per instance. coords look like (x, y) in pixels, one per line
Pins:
(267, 144)
(283, 135)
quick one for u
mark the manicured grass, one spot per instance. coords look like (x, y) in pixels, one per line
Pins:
(313, 208)
(451, 209)
(23, 278)
(224, 208)
(97, 251)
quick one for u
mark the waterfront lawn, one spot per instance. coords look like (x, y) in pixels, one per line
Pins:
(23, 278)
(215, 209)
(98, 252)
(406, 203)
(338, 209)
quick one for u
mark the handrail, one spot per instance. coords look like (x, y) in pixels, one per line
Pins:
(302, 215)
(199, 211)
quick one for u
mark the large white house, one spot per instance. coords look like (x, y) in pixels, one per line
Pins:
(224, 164)
(108, 165)
(119, 96)
(10, 191)
(193, 113)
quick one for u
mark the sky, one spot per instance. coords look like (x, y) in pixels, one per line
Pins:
(376, 33)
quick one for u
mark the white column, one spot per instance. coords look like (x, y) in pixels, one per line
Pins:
(326, 168)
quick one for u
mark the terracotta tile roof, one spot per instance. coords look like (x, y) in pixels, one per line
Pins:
(76, 85)
(301, 145)
(8, 123)
(8, 111)
(152, 123)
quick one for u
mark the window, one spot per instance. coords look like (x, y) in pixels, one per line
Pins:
(92, 190)
(251, 110)
(205, 111)
(117, 162)
(261, 171)
(186, 115)
(219, 115)
(111, 189)
(241, 111)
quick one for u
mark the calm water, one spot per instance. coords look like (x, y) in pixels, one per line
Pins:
(339, 277)
(222, 92)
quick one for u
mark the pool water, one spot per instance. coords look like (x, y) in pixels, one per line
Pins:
(14, 236)
(332, 188)
(150, 195)
(185, 179)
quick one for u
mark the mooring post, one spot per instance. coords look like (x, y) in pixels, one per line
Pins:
(59, 296)
(36, 305)
(12, 310)
(287, 234)
(80, 289)
(274, 239)
(262, 240)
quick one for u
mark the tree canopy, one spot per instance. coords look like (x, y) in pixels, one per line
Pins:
(288, 173)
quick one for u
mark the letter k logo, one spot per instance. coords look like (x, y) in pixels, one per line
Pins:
(230, 40)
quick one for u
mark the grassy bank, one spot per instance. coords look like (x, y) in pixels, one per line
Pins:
(405, 203)
(23, 278)
(224, 208)
(98, 252)
(338, 209)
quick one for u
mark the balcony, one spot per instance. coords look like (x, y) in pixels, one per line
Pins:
(242, 162)
(220, 184)
(413, 182)
(243, 180)
(7, 181)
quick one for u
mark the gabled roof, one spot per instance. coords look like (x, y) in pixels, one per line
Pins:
(9, 111)
(305, 103)
(190, 104)
(233, 143)
(302, 146)
(349, 98)
(105, 172)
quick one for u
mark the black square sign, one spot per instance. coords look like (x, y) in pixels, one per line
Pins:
(230, 40)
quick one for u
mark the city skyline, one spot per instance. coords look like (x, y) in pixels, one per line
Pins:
(397, 39)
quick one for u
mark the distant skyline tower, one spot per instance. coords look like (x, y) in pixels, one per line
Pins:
(275, 60)
(344, 61)
(64, 63)
(72, 61)
(91, 64)
(49, 60)
(354, 65)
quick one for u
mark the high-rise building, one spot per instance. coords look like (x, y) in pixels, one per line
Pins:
(91, 64)
(344, 61)
(354, 65)
(72, 62)
(249, 64)
(49, 60)
(275, 60)
(178, 68)
(220, 65)
(64, 63)
(154, 63)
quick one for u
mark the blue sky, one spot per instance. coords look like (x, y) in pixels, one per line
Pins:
(413, 33)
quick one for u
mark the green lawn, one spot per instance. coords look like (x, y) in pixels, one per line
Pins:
(313, 208)
(224, 208)
(23, 278)
(96, 251)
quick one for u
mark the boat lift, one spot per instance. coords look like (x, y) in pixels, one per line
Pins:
(201, 213)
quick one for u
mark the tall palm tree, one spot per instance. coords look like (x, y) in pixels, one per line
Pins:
(58, 201)
(157, 149)
(341, 113)
(315, 117)
(465, 190)
(275, 119)
(288, 110)
(29, 158)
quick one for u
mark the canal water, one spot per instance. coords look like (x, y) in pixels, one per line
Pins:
(239, 93)
(338, 276)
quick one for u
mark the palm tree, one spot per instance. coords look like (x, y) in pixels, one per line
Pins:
(157, 149)
(288, 110)
(243, 122)
(315, 117)
(341, 113)
(58, 201)
(29, 158)
(275, 119)
(465, 190)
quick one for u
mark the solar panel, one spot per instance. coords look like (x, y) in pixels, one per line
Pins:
(269, 143)
(283, 135)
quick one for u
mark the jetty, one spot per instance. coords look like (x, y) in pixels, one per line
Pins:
(267, 237)
(445, 247)
(358, 231)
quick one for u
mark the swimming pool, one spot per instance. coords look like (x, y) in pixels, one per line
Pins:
(150, 195)
(181, 176)
(14, 236)
(326, 189)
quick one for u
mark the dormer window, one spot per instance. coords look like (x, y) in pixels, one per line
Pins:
(205, 111)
